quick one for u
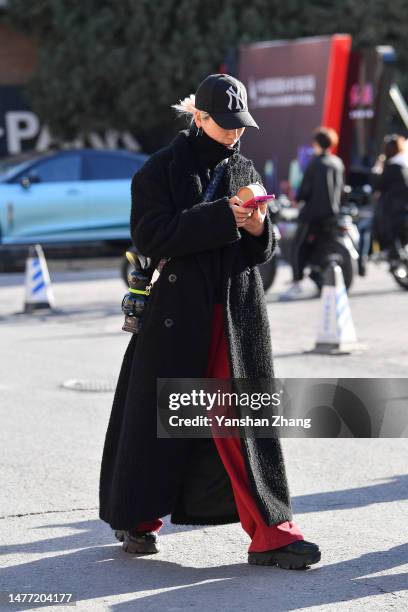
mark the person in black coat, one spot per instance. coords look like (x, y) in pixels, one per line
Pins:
(206, 317)
(321, 193)
(392, 188)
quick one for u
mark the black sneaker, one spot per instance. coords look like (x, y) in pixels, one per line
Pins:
(296, 555)
(142, 543)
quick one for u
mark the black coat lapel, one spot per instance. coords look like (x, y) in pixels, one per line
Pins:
(187, 190)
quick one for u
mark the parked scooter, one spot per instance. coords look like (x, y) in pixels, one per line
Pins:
(359, 198)
(396, 253)
(336, 239)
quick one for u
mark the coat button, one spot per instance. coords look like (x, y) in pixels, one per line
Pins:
(168, 322)
(172, 278)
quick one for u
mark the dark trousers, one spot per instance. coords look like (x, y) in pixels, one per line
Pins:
(299, 251)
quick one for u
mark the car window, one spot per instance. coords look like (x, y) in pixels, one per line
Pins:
(108, 167)
(14, 164)
(58, 169)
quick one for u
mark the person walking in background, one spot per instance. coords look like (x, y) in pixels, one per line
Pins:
(206, 317)
(391, 187)
(321, 192)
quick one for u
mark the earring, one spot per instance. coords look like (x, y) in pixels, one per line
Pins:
(199, 131)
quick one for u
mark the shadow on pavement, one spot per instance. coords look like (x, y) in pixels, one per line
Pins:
(396, 489)
(91, 533)
(101, 569)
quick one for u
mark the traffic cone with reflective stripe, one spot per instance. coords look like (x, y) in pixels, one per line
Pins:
(336, 333)
(38, 290)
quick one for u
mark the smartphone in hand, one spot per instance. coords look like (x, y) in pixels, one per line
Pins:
(257, 200)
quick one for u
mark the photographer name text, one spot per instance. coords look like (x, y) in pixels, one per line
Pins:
(246, 421)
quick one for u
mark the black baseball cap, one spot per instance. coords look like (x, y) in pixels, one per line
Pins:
(225, 99)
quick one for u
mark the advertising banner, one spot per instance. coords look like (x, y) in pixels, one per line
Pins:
(293, 87)
(366, 103)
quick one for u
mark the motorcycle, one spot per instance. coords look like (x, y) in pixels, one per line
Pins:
(335, 240)
(396, 253)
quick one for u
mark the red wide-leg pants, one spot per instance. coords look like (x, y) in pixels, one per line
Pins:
(263, 536)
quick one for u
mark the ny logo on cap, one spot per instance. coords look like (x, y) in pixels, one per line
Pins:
(240, 102)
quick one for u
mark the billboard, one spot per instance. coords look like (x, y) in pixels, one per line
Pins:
(366, 103)
(293, 87)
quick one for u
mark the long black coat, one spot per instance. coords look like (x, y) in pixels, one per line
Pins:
(143, 477)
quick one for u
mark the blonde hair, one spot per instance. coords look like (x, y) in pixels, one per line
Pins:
(186, 108)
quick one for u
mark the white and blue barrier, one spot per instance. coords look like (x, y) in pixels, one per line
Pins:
(38, 290)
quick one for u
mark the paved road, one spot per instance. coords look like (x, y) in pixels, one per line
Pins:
(348, 495)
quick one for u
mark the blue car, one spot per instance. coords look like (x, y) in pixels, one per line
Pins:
(66, 199)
